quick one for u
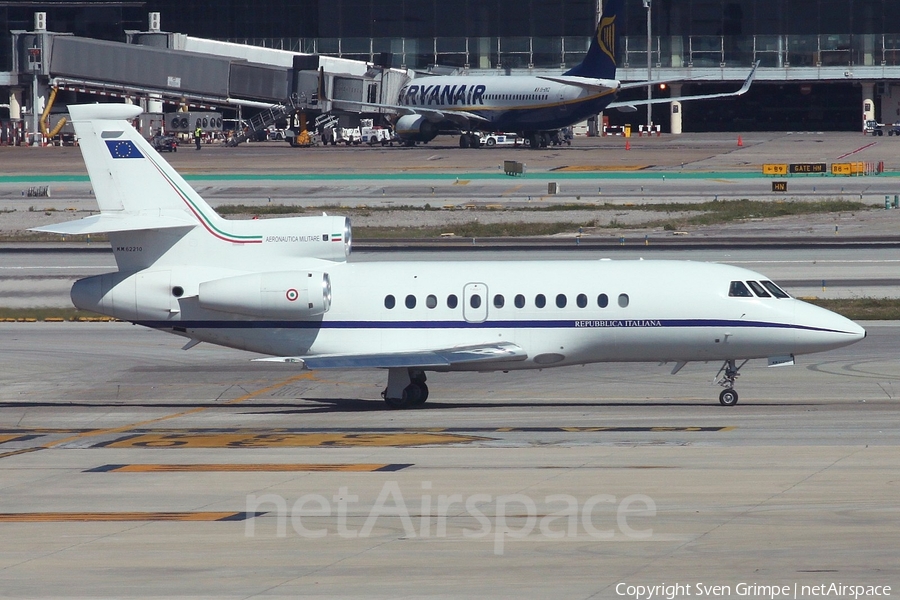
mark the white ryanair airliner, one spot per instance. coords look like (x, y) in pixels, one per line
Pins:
(532, 106)
(284, 287)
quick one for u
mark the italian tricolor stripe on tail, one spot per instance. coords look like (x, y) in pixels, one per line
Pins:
(336, 237)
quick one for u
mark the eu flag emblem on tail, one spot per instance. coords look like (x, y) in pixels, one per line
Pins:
(123, 149)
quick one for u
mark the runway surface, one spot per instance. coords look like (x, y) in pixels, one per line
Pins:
(129, 468)
(132, 469)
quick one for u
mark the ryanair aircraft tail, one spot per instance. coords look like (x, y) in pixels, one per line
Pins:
(601, 59)
(153, 217)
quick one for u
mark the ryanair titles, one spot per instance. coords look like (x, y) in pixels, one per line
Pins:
(619, 323)
(442, 95)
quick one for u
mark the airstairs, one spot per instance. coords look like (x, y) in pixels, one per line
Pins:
(267, 117)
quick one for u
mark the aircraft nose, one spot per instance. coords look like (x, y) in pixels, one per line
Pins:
(822, 329)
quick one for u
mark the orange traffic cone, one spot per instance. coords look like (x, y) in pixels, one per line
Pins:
(740, 142)
(627, 145)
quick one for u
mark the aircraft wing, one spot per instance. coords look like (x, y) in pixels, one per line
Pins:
(643, 84)
(461, 117)
(631, 104)
(482, 353)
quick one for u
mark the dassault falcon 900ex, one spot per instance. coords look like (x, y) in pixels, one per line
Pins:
(284, 287)
(532, 106)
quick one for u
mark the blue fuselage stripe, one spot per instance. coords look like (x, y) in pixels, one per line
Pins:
(506, 324)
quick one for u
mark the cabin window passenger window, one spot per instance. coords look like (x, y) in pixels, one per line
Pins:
(561, 300)
(623, 300)
(410, 301)
(431, 301)
(581, 300)
(739, 290)
(540, 301)
(499, 301)
(758, 289)
(776, 291)
(389, 301)
(602, 300)
(475, 301)
(520, 301)
(452, 301)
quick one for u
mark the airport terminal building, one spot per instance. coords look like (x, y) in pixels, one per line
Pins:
(824, 64)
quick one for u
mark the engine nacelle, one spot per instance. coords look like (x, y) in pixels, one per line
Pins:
(276, 295)
(324, 237)
(416, 127)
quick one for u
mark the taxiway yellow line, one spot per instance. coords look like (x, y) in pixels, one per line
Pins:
(184, 413)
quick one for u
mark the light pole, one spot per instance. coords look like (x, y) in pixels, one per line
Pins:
(649, 68)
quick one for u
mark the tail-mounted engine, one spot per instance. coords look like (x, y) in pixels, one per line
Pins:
(277, 295)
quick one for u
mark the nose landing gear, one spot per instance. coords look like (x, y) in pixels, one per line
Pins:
(729, 372)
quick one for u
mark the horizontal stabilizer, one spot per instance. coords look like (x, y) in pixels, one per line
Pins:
(485, 353)
(111, 223)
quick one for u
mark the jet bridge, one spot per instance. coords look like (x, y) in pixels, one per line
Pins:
(164, 68)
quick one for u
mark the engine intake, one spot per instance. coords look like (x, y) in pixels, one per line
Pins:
(416, 127)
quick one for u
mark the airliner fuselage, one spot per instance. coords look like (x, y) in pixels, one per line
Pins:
(519, 104)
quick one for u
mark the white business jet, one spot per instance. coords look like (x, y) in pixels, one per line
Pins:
(284, 287)
(532, 106)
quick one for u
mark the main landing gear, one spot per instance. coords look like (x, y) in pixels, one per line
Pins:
(729, 372)
(405, 388)
(538, 140)
(469, 140)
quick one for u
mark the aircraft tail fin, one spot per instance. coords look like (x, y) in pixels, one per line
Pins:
(130, 179)
(603, 53)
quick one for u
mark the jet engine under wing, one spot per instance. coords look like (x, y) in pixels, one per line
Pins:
(631, 104)
(482, 353)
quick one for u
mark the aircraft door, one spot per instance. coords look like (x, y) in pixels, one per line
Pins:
(475, 302)
(563, 107)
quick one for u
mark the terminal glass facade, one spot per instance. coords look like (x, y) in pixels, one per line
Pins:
(501, 33)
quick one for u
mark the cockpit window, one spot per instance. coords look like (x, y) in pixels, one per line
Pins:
(758, 289)
(739, 290)
(776, 291)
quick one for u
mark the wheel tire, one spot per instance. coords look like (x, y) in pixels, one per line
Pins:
(415, 394)
(728, 397)
(397, 403)
(463, 141)
(421, 396)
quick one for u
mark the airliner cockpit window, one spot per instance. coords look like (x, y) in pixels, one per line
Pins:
(776, 291)
(739, 290)
(758, 289)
